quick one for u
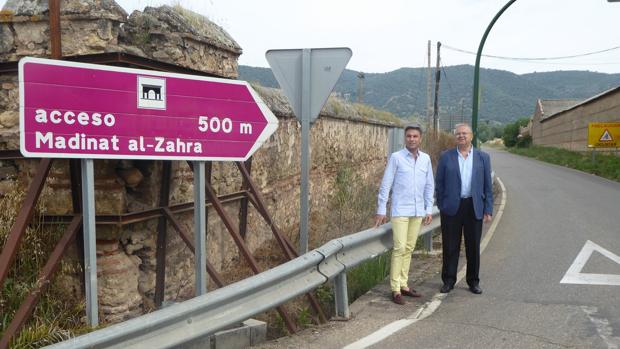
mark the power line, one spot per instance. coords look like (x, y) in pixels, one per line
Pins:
(532, 58)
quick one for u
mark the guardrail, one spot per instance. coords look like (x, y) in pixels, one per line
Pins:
(217, 310)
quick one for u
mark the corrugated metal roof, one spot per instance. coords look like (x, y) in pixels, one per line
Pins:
(589, 100)
(550, 107)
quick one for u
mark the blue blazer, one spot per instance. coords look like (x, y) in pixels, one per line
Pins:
(448, 183)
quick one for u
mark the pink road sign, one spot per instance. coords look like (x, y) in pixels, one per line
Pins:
(77, 110)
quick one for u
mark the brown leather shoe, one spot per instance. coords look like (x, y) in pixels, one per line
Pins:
(410, 293)
(397, 298)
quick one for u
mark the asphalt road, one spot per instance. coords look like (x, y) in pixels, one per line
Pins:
(550, 214)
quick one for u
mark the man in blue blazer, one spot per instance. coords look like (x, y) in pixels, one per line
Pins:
(464, 195)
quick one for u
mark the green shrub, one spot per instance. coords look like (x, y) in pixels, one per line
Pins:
(511, 132)
(524, 142)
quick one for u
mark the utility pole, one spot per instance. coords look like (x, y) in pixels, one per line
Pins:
(429, 113)
(360, 87)
(462, 113)
(436, 107)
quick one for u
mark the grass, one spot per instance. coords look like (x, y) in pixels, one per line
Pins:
(366, 275)
(370, 113)
(57, 316)
(604, 165)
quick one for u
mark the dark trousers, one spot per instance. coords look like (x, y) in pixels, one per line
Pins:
(451, 227)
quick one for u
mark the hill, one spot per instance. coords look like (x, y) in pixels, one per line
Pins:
(505, 96)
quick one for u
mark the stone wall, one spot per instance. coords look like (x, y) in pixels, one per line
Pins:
(348, 155)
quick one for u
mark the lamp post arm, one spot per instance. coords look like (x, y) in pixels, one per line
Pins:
(474, 109)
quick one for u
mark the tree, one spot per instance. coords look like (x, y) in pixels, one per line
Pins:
(511, 132)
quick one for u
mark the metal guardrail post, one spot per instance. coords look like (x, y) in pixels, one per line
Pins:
(428, 242)
(341, 296)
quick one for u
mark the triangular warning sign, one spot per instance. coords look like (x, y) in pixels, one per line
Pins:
(606, 137)
(575, 276)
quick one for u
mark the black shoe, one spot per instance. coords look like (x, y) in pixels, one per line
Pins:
(446, 288)
(475, 289)
(397, 298)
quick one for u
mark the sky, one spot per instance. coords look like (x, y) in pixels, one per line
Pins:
(390, 34)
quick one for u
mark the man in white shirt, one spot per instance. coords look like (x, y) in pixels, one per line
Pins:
(409, 177)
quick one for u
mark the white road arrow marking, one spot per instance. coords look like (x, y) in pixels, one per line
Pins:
(575, 276)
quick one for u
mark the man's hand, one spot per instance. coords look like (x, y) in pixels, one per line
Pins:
(428, 219)
(380, 219)
(487, 218)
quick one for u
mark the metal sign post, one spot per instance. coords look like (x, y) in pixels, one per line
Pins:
(200, 228)
(305, 151)
(307, 77)
(90, 242)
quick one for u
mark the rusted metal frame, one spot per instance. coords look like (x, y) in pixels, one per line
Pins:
(10, 154)
(76, 184)
(243, 205)
(258, 202)
(293, 254)
(286, 246)
(242, 247)
(190, 244)
(23, 218)
(43, 281)
(260, 209)
(141, 62)
(118, 58)
(160, 253)
(55, 38)
(139, 216)
(75, 171)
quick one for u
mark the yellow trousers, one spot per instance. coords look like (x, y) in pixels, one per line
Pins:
(405, 232)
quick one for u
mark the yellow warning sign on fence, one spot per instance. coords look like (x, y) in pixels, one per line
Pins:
(604, 134)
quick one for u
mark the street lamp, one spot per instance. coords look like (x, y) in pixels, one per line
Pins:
(474, 109)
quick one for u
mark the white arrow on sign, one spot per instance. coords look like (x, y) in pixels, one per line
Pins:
(575, 276)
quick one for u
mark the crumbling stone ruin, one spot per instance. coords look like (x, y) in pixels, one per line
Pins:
(102, 31)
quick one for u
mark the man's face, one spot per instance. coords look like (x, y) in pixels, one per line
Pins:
(413, 138)
(463, 136)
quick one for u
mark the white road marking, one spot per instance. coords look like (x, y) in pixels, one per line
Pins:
(429, 307)
(575, 276)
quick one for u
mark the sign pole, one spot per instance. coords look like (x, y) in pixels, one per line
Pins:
(90, 242)
(307, 77)
(200, 228)
(305, 151)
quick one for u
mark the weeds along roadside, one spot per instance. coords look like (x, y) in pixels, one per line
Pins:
(605, 165)
(58, 314)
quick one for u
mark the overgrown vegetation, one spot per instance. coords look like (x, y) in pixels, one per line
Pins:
(434, 147)
(354, 199)
(369, 112)
(57, 316)
(512, 137)
(604, 165)
(366, 275)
